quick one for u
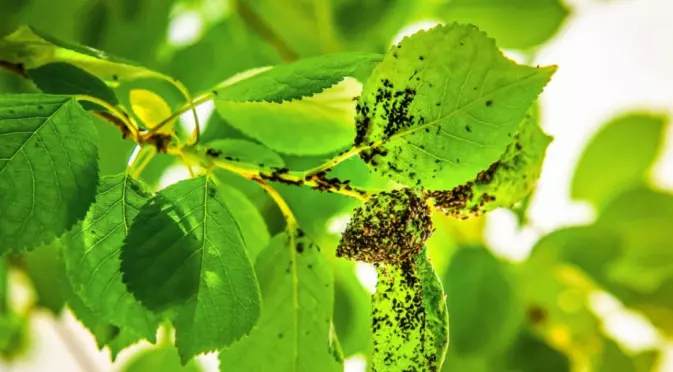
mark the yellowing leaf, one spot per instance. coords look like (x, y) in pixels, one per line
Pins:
(151, 109)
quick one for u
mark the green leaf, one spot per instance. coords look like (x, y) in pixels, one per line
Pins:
(46, 270)
(643, 219)
(506, 181)
(442, 106)
(48, 168)
(352, 309)
(124, 338)
(482, 300)
(304, 29)
(31, 49)
(163, 358)
(518, 24)
(245, 153)
(312, 126)
(92, 255)
(611, 163)
(185, 253)
(64, 78)
(14, 336)
(102, 331)
(251, 222)
(409, 317)
(213, 54)
(303, 78)
(294, 333)
(531, 354)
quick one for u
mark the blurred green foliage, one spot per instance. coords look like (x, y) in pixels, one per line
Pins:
(530, 316)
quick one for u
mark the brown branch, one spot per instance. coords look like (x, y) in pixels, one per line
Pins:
(15, 68)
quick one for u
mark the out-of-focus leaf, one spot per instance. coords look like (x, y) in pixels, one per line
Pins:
(530, 354)
(481, 297)
(518, 24)
(643, 218)
(352, 310)
(64, 78)
(253, 228)
(46, 270)
(134, 29)
(14, 335)
(227, 48)
(371, 25)
(31, 49)
(556, 295)
(618, 157)
(162, 358)
(304, 28)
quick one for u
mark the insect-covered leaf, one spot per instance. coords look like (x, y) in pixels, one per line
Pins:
(161, 358)
(295, 332)
(48, 168)
(442, 106)
(64, 78)
(92, 255)
(506, 181)
(245, 152)
(518, 24)
(482, 300)
(312, 126)
(302, 78)
(410, 323)
(612, 163)
(31, 48)
(184, 253)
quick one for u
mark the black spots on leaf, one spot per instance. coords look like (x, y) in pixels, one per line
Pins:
(468, 129)
(489, 103)
(421, 58)
(518, 146)
(40, 107)
(391, 227)
(300, 247)
(395, 55)
(280, 336)
(115, 77)
(215, 93)
(462, 44)
(438, 104)
(213, 152)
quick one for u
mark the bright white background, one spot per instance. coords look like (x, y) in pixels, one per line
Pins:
(613, 56)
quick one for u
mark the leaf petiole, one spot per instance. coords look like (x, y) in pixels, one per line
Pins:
(132, 127)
